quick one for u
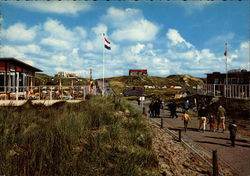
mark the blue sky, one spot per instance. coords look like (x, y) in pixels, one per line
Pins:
(165, 38)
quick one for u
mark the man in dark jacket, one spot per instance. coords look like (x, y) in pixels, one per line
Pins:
(172, 108)
(232, 129)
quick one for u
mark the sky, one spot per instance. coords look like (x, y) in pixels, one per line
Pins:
(166, 38)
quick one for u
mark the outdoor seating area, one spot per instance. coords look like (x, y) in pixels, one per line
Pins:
(48, 93)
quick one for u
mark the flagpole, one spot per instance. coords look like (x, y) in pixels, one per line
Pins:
(103, 67)
(226, 69)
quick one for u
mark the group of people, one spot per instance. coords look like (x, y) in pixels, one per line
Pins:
(154, 108)
(204, 115)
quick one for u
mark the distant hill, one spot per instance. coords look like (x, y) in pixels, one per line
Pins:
(155, 85)
(44, 79)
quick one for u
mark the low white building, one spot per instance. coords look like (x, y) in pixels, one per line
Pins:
(66, 74)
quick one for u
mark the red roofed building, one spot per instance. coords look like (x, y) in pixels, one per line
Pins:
(15, 73)
(138, 72)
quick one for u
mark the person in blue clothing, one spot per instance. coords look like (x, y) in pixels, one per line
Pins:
(186, 105)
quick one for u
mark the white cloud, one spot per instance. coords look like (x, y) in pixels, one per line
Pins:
(56, 43)
(82, 32)
(239, 58)
(94, 43)
(185, 58)
(137, 48)
(176, 39)
(120, 18)
(31, 48)
(195, 6)
(57, 36)
(100, 29)
(59, 7)
(20, 33)
(59, 58)
(141, 30)
(57, 30)
(9, 51)
(130, 25)
(164, 72)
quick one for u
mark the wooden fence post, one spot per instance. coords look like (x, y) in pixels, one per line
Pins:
(161, 122)
(215, 163)
(179, 135)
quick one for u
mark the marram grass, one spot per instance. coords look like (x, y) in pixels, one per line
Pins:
(90, 138)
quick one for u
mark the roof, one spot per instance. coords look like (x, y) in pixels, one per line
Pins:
(20, 63)
(138, 70)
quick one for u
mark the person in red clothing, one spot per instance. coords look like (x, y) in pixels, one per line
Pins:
(211, 122)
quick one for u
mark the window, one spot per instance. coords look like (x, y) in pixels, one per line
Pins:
(1, 81)
(216, 81)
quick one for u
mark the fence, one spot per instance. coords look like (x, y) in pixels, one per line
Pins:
(222, 90)
(46, 92)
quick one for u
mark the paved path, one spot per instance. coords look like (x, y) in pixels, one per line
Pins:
(238, 157)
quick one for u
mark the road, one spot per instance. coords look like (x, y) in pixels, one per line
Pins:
(237, 158)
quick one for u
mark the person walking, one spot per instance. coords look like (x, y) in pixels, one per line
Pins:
(211, 122)
(172, 107)
(221, 115)
(151, 113)
(232, 130)
(186, 105)
(202, 113)
(157, 108)
(185, 118)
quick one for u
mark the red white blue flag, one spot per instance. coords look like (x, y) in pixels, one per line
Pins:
(106, 43)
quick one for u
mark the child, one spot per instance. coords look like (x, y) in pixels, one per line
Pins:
(211, 122)
(186, 118)
(232, 129)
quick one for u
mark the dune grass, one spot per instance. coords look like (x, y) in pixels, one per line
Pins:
(95, 137)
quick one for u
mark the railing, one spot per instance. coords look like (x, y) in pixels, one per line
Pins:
(46, 92)
(229, 91)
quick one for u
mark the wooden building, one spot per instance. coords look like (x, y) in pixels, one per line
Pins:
(234, 84)
(233, 77)
(138, 72)
(16, 75)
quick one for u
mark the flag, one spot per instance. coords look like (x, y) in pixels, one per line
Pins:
(106, 43)
(225, 53)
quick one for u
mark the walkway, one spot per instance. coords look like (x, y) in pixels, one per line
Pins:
(237, 158)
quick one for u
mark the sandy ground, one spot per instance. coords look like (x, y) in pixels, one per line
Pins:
(175, 159)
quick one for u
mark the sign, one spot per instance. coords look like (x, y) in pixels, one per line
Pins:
(142, 98)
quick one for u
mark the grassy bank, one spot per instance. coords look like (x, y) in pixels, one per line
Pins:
(95, 137)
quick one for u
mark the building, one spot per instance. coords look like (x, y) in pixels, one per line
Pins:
(16, 75)
(233, 77)
(138, 72)
(66, 75)
(234, 84)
